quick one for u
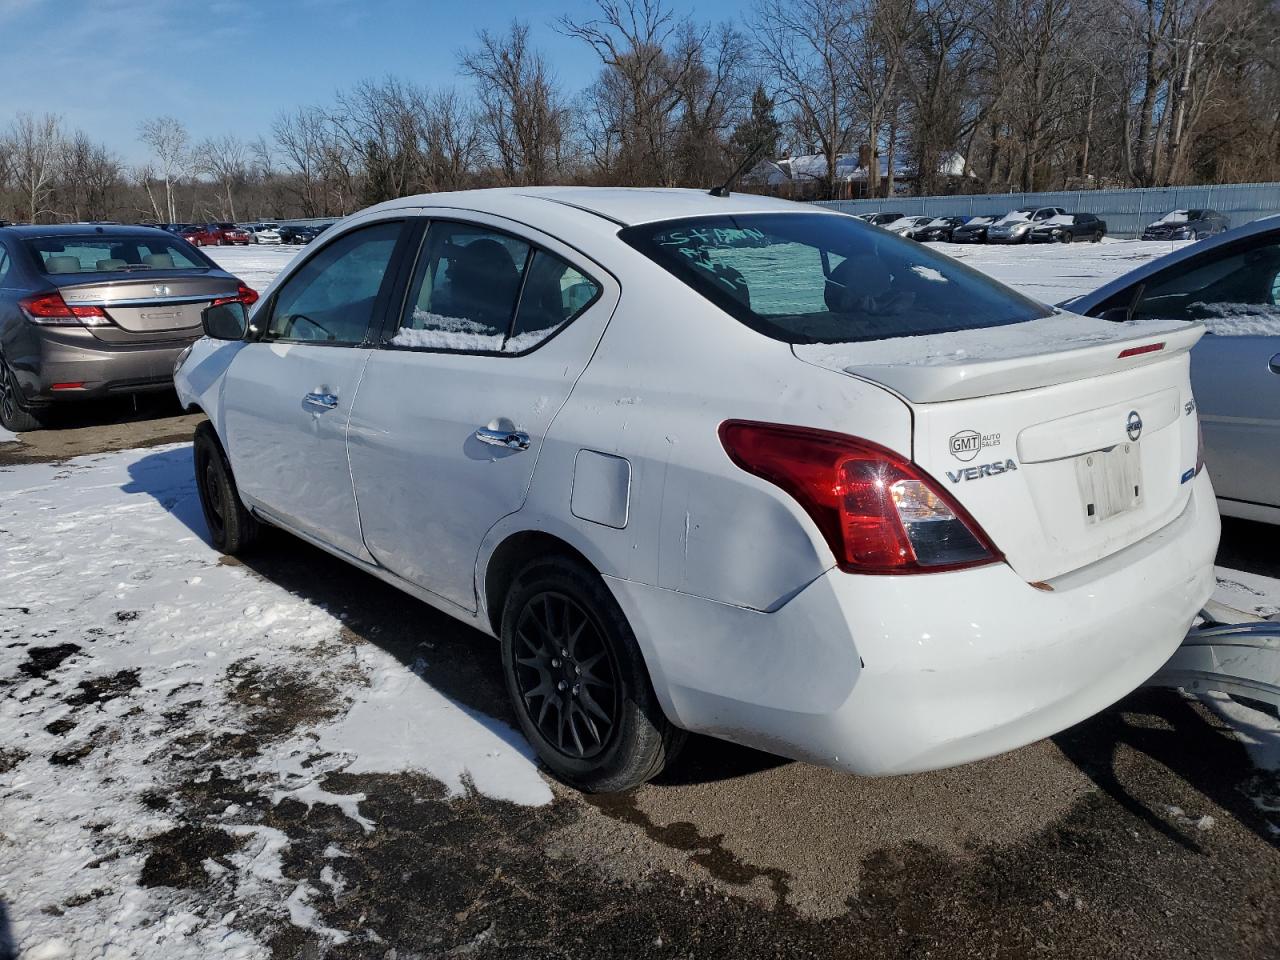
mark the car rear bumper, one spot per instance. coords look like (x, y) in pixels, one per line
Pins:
(67, 356)
(887, 675)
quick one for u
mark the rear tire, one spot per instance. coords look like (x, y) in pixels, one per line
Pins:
(13, 414)
(578, 681)
(232, 528)
(1097, 238)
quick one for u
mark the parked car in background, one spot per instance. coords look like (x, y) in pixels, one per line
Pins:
(1067, 227)
(973, 230)
(265, 233)
(229, 235)
(1015, 226)
(1231, 284)
(940, 228)
(907, 226)
(88, 312)
(297, 233)
(1187, 225)
(198, 235)
(880, 219)
(539, 448)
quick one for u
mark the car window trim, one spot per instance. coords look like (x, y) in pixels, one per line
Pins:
(391, 323)
(380, 302)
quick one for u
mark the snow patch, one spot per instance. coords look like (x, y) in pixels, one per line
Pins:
(8, 436)
(929, 273)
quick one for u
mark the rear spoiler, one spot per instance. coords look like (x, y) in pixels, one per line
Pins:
(1010, 360)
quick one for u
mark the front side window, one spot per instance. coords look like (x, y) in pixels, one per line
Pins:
(476, 290)
(1236, 293)
(826, 278)
(331, 297)
(104, 253)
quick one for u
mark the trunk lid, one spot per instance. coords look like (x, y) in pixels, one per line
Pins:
(1064, 451)
(149, 307)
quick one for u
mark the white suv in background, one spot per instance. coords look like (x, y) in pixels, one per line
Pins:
(265, 233)
(730, 465)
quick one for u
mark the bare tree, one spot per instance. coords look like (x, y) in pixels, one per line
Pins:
(35, 148)
(803, 46)
(171, 144)
(520, 109)
(225, 159)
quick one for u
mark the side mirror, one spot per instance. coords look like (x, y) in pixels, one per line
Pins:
(225, 321)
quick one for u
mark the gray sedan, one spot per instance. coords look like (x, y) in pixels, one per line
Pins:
(1231, 283)
(90, 311)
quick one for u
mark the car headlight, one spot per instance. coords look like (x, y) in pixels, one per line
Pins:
(1022, 228)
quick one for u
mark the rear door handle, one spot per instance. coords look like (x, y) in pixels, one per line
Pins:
(511, 439)
(326, 400)
(1275, 363)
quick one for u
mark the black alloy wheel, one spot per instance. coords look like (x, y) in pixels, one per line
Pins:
(566, 675)
(578, 681)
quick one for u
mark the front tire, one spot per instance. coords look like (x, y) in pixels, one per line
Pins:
(1067, 236)
(578, 681)
(13, 415)
(232, 528)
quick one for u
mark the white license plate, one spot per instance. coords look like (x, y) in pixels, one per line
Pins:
(1110, 481)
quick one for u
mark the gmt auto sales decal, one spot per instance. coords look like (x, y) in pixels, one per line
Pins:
(982, 471)
(967, 444)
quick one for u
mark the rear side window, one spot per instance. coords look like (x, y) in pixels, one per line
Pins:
(826, 278)
(477, 290)
(6, 265)
(108, 254)
(331, 297)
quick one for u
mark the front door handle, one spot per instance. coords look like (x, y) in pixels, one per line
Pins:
(326, 400)
(1275, 363)
(510, 439)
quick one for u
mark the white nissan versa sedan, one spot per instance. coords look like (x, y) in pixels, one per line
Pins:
(729, 464)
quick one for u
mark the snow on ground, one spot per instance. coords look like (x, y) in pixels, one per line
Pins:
(8, 436)
(256, 264)
(122, 641)
(1249, 592)
(1052, 272)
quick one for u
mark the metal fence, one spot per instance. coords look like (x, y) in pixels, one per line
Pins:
(1126, 211)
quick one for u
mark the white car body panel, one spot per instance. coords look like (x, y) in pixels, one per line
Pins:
(749, 630)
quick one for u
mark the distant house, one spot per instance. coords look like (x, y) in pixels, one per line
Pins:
(803, 176)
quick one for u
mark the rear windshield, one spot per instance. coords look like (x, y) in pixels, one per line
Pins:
(826, 278)
(105, 254)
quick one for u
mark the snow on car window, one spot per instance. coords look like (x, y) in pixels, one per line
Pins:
(1240, 319)
(980, 221)
(823, 278)
(1015, 216)
(929, 273)
(940, 222)
(1176, 216)
(437, 332)
(1060, 218)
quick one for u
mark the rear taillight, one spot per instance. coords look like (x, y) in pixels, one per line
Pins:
(244, 294)
(50, 310)
(878, 512)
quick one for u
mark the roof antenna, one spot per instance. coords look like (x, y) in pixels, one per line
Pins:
(738, 171)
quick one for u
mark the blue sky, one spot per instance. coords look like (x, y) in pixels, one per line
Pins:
(232, 65)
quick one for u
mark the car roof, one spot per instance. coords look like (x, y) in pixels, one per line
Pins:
(80, 230)
(624, 206)
(1090, 300)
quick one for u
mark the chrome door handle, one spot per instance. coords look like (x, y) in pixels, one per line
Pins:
(511, 439)
(1275, 363)
(326, 400)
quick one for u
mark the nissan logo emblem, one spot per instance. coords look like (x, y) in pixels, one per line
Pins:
(1134, 425)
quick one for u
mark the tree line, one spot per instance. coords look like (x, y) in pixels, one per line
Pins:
(945, 95)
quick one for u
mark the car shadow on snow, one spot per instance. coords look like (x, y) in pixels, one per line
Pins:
(462, 663)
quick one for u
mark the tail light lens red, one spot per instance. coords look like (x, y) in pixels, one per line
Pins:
(878, 512)
(50, 310)
(244, 294)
